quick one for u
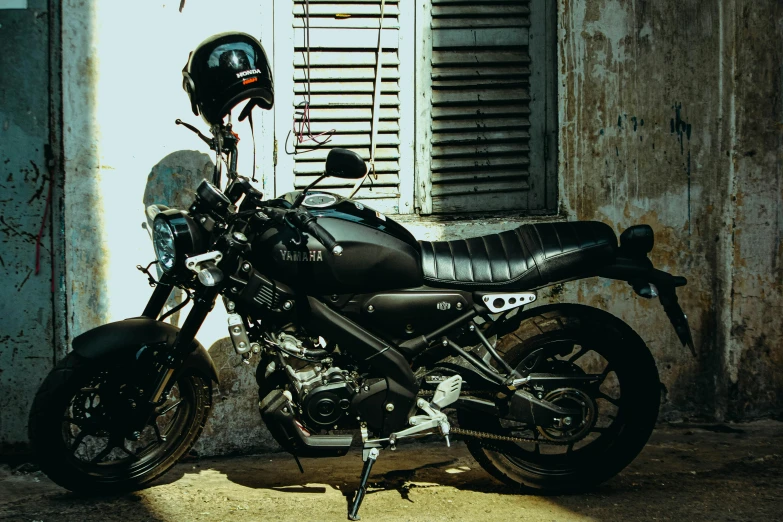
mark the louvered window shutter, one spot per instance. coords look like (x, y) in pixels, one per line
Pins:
(490, 119)
(343, 46)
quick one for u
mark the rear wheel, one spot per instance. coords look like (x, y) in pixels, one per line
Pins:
(618, 412)
(76, 427)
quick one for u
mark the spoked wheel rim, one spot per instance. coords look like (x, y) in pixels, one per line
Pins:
(573, 447)
(97, 448)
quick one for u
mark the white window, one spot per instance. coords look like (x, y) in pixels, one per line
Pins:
(467, 108)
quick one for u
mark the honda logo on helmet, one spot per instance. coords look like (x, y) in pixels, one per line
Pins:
(248, 73)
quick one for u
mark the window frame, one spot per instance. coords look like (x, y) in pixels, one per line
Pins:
(284, 69)
(543, 141)
(415, 99)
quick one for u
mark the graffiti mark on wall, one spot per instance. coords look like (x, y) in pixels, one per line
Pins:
(683, 131)
(679, 126)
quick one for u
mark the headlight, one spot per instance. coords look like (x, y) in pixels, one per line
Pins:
(175, 236)
(165, 246)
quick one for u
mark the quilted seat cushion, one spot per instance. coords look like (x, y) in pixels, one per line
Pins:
(526, 257)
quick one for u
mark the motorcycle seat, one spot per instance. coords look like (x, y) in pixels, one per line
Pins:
(527, 257)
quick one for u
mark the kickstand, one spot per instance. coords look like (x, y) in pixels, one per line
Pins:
(301, 469)
(357, 501)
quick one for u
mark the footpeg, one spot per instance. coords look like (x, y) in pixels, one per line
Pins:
(372, 456)
(435, 420)
(445, 429)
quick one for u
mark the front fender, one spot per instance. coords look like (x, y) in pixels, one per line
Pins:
(123, 339)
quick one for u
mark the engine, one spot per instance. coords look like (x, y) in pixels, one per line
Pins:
(324, 392)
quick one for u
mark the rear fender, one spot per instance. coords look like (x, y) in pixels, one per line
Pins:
(640, 274)
(123, 339)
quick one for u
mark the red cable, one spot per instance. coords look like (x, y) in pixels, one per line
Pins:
(40, 235)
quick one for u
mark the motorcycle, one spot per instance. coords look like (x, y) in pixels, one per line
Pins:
(364, 337)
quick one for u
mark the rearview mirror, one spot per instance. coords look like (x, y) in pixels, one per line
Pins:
(346, 164)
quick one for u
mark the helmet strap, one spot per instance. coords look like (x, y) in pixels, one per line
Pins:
(216, 131)
(247, 112)
(253, 137)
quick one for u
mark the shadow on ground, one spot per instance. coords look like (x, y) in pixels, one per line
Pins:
(692, 472)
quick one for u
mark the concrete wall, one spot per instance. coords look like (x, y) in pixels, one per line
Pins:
(753, 328)
(669, 115)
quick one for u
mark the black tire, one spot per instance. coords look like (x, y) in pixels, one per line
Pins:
(634, 413)
(53, 429)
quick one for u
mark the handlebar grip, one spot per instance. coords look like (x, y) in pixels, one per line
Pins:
(310, 225)
(325, 238)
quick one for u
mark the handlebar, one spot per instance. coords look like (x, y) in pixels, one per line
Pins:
(306, 222)
(198, 133)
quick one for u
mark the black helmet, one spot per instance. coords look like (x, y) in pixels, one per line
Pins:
(224, 70)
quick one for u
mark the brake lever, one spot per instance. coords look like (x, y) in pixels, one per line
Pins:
(198, 133)
(302, 221)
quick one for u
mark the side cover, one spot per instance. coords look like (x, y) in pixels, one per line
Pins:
(123, 339)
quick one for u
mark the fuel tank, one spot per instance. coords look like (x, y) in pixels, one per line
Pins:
(378, 253)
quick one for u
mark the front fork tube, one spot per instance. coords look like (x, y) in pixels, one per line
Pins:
(183, 344)
(159, 378)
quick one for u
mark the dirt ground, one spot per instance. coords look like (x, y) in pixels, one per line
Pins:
(686, 472)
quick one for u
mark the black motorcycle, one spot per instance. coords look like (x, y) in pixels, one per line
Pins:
(364, 337)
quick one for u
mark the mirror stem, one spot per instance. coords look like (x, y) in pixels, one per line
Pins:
(301, 196)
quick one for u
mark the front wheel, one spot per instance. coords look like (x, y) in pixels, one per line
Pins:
(75, 427)
(619, 411)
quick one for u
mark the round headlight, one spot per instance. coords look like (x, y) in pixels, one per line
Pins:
(165, 245)
(175, 237)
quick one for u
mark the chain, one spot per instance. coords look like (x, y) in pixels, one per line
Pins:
(491, 436)
(464, 393)
(504, 438)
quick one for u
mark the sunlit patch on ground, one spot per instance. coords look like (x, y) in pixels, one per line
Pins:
(687, 472)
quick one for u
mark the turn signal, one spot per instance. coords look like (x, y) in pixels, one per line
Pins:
(210, 276)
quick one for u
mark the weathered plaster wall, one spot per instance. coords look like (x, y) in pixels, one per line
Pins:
(753, 360)
(641, 110)
(670, 115)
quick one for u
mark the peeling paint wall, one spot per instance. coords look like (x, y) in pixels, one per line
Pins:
(27, 320)
(640, 143)
(670, 115)
(754, 350)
